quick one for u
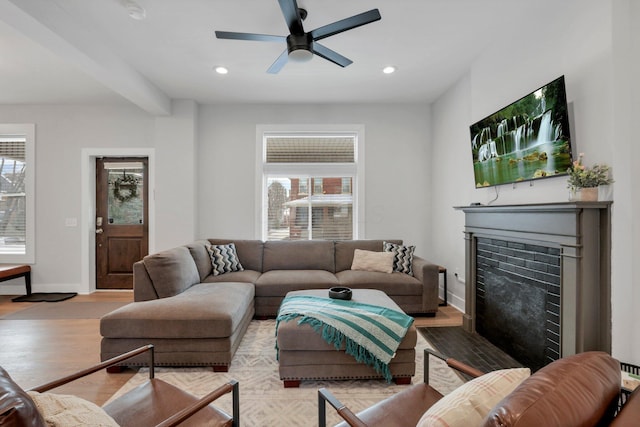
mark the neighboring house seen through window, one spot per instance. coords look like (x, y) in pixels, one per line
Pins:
(308, 186)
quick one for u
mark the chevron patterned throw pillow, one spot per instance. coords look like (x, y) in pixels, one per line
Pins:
(402, 257)
(224, 259)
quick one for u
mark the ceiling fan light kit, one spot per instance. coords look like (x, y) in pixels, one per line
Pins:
(302, 45)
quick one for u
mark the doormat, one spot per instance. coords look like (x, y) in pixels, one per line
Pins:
(45, 297)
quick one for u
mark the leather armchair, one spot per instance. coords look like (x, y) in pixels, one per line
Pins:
(579, 390)
(401, 410)
(154, 403)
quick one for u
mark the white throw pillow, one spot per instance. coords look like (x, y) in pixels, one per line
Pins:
(372, 261)
(62, 410)
(467, 405)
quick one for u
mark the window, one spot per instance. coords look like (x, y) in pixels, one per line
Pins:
(346, 185)
(306, 188)
(17, 193)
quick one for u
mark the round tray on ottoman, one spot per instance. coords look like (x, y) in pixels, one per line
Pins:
(340, 292)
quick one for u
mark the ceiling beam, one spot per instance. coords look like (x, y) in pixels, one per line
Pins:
(48, 24)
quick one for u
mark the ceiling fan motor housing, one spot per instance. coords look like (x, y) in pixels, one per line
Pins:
(300, 47)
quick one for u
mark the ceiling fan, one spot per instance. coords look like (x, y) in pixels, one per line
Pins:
(301, 45)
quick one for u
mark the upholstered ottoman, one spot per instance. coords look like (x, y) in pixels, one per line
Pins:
(201, 326)
(305, 355)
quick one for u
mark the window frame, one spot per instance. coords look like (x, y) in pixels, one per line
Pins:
(26, 130)
(309, 170)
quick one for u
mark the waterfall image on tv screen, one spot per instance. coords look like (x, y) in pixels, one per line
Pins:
(528, 139)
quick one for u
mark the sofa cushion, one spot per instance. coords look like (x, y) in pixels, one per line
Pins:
(372, 261)
(299, 255)
(577, 390)
(249, 251)
(171, 271)
(206, 310)
(391, 284)
(224, 259)
(201, 257)
(245, 276)
(63, 410)
(279, 282)
(344, 250)
(402, 257)
(471, 402)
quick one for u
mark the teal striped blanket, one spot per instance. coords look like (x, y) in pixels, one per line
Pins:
(370, 333)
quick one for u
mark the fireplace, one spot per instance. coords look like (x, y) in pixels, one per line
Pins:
(537, 278)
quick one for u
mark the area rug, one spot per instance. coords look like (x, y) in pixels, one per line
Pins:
(65, 310)
(45, 297)
(263, 399)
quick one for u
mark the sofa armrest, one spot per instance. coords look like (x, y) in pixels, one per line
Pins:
(427, 273)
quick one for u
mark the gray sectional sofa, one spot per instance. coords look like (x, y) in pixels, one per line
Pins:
(197, 318)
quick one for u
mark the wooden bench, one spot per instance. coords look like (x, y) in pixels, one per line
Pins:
(8, 272)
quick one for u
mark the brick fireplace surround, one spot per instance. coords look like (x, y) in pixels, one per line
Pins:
(538, 278)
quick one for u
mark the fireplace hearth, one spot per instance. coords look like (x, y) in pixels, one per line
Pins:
(537, 278)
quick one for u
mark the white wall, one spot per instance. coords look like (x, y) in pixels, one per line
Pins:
(575, 42)
(62, 134)
(204, 174)
(626, 232)
(452, 169)
(397, 153)
(176, 186)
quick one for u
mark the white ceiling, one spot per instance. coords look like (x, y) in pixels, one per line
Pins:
(87, 51)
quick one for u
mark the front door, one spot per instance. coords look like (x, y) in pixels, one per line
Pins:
(121, 219)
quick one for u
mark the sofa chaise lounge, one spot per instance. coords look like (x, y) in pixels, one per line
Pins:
(195, 316)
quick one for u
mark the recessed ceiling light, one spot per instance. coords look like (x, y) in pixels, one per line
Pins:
(221, 70)
(134, 10)
(389, 69)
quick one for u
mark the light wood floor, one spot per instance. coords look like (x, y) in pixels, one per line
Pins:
(37, 351)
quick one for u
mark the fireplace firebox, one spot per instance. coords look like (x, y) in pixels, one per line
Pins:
(538, 278)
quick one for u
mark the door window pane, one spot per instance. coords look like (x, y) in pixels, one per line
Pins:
(125, 199)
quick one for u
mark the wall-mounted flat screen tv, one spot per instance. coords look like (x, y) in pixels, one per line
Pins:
(526, 140)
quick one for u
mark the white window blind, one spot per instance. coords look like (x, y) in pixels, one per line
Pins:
(310, 149)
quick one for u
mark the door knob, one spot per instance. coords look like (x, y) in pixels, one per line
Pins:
(99, 231)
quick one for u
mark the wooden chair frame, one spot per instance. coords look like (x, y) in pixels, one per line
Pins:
(230, 387)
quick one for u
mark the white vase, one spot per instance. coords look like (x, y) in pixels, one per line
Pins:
(605, 192)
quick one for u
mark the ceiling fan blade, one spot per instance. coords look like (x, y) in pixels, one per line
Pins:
(249, 36)
(330, 55)
(292, 16)
(345, 24)
(277, 66)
